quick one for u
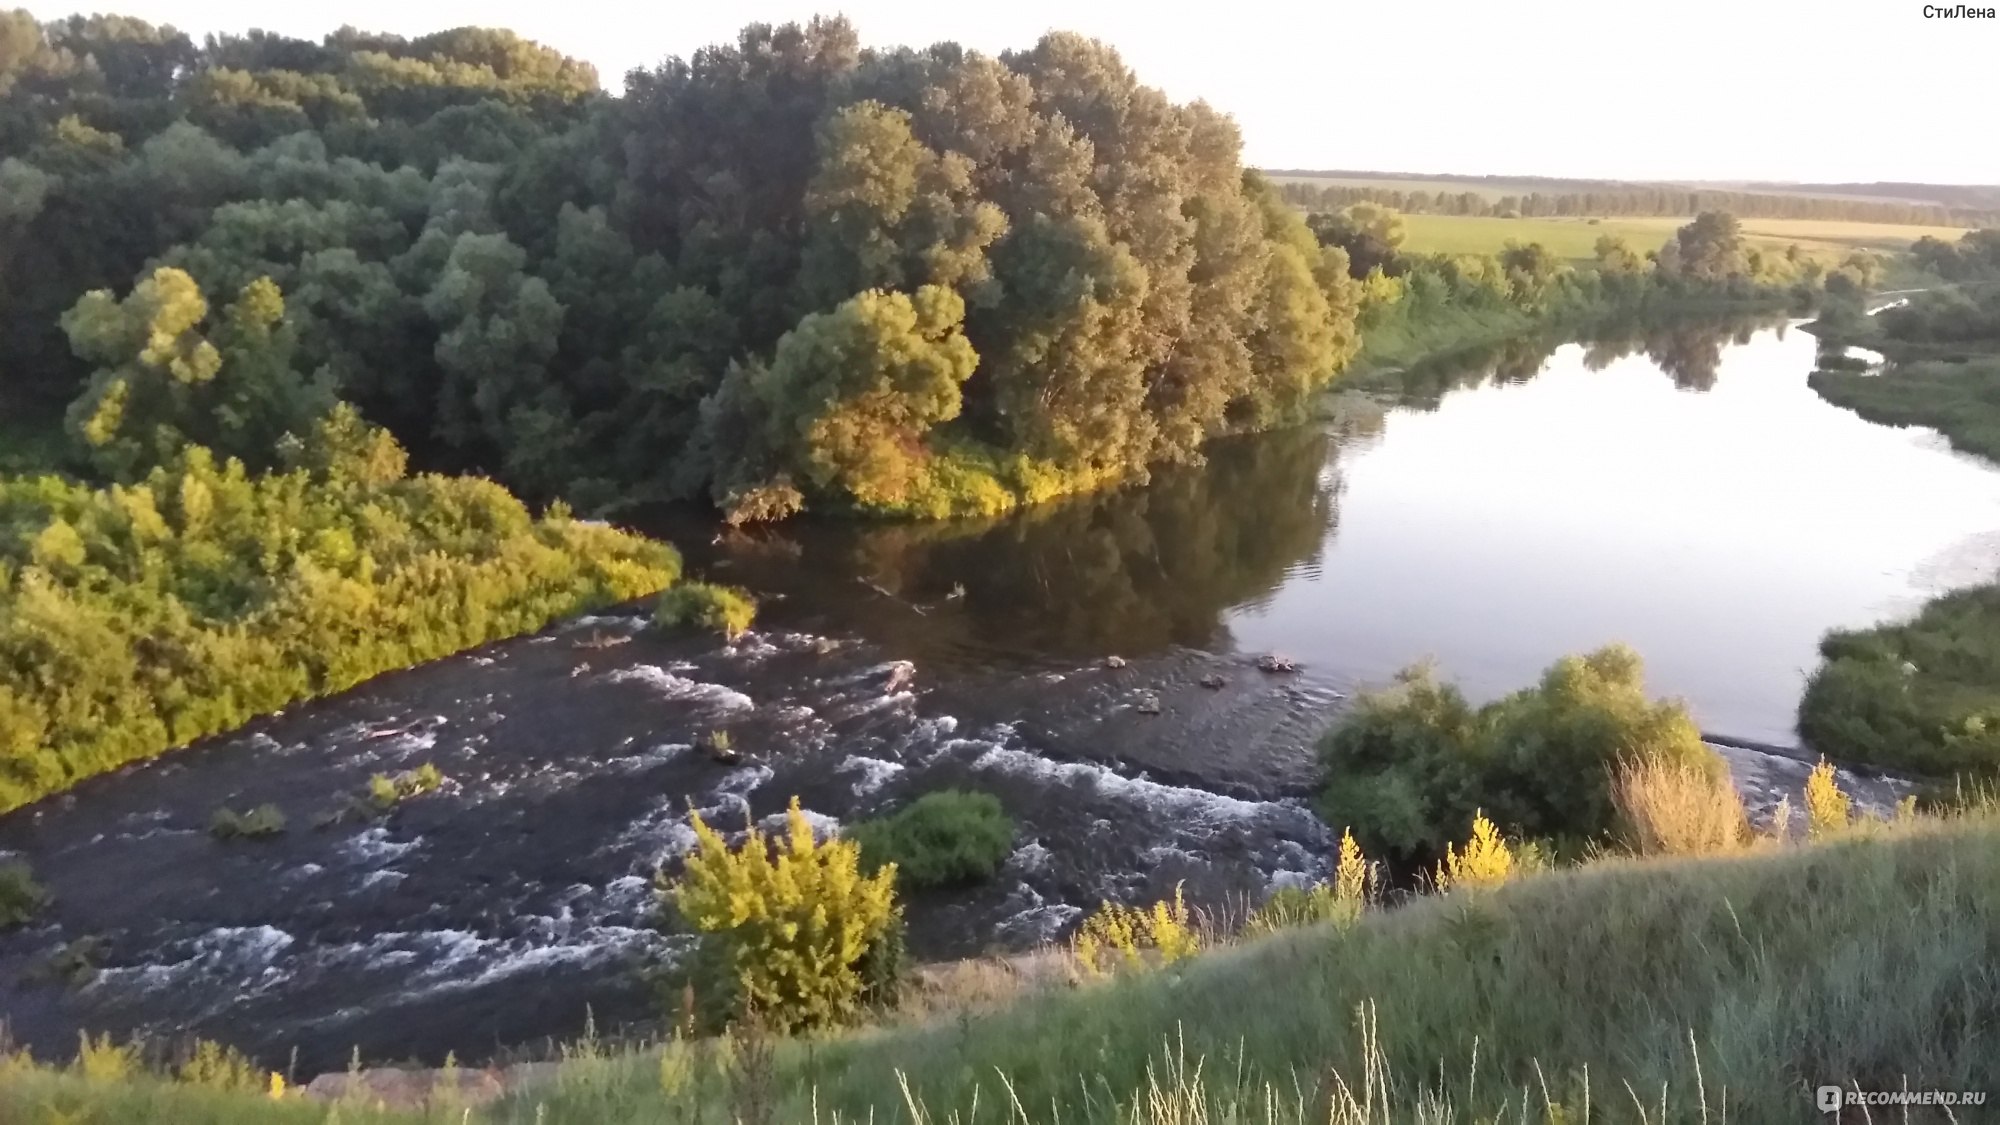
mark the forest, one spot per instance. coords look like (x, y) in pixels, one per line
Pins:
(784, 271)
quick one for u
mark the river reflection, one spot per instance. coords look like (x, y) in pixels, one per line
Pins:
(1673, 485)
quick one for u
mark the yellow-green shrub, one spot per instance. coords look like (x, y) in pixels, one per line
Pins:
(1340, 902)
(1485, 861)
(791, 920)
(1828, 809)
(724, 609)
(1163, 932)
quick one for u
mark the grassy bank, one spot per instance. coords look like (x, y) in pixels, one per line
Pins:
(1711, 989)
(1921, 695)
(1960, 400)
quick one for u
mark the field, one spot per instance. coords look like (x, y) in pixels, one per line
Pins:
(1491, 188)
(1576, 238)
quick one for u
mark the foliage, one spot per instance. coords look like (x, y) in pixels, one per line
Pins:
(259, 823)
(791, 920)
(1672, 808)
(1406, 767)
(386, 791)
(941, 839)
(21, 898)
(765, 275)
(1340, 902)
(1485, 861)
(140, 617)
(723, 609)
(1580, 980)
(218, 1066)
(1160, 934)
(1828, 809)
(1919, 695)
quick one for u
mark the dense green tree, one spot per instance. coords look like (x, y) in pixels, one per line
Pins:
(167, 377)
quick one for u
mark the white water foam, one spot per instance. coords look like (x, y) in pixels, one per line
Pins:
(875, 773)
(672, 687)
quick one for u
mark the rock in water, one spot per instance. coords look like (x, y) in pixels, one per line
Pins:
(1215, 681)
(1147, 703)
(1114, 662)
(1275, 662)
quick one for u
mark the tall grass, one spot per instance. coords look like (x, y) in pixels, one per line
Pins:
(1730, 986)
(1669, 808)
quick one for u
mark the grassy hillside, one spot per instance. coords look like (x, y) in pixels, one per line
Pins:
(1576, 239)
(1712, 989)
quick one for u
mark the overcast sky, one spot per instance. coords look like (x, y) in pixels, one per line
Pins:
(1700, 89)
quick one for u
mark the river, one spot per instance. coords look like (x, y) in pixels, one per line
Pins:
(1680, 489)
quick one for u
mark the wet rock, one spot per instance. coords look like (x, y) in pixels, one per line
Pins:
(900, 674)
(1114, 662)
(1276, 662)
(1146, 703)
(602, 640)
(1215, 681)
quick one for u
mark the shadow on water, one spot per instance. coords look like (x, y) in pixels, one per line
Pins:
(1132, 571)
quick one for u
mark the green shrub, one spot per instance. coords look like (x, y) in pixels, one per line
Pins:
(259, 823)
(1410, 767)
(941, 839)
(1917, 695)
(385, 791)
(790, 935)
(700, 605)
(21, 898)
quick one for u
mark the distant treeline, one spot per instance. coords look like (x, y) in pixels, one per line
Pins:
(1626, 199)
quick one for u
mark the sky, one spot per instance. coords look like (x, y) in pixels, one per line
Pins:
(1841, 90)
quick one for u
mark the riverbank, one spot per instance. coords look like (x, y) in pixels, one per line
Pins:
(1680, 986)
(1918, 694)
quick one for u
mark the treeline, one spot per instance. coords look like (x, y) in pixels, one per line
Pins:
(784, 269)
(1415, 305)
(1630, 200)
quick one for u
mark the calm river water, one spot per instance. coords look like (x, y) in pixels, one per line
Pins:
(1682, 490)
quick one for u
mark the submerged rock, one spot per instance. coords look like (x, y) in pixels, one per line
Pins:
(1147, 703)
(1276, 662)
(1215, 681)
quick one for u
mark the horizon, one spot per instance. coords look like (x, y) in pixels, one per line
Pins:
(1645, 129)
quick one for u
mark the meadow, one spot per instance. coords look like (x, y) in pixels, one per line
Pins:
(1576, 238)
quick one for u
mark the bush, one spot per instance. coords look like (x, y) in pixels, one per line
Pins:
(259, 823)
(725, 609)
(1671, 808)
(1161, 933)
(386, 792)
(941, 839)
(1340, 902)
(791, 933)
(1408, 767)
(1486, 860)
(21, 898)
